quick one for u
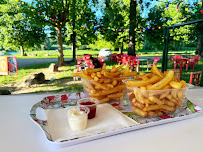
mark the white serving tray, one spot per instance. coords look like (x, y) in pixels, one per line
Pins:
(61, 101)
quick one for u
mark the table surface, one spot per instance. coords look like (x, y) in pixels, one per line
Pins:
(19, 134)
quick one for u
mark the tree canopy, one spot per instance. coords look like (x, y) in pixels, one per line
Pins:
(17, 29)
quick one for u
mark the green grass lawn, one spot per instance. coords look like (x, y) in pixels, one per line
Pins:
(67, 70)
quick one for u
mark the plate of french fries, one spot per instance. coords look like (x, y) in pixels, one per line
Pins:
(105, 84)
(156, 93)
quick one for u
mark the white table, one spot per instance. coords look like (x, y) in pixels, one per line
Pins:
(19, 134)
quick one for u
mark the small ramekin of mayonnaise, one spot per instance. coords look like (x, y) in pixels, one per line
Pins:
(77, 117)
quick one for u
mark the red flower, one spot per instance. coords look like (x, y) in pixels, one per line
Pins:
(165, 117)
(51, 98)
(64, 97)
(197, 110)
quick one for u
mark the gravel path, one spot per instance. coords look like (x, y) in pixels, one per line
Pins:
(28, 62)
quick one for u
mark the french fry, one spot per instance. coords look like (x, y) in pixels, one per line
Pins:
(175, 85)
(93, 75)
(99, 74)
(145, 78)
(163, 82)
(137, 78)
(156, 100)
(96, 78)
(131, 96)
(109, 91)
(81, 75)
(139, 111)
(168, 108)
(107, 81)
(104, 67)
(154, 113)
(114, 95)
(169, 96)
(100, 85)
(156, 71)
(183, 83)
(130, 74)
(111, 75)
(174, 93)
(180, 94)
(143, 92)
(152, 107)
(116, 69)
(115, 82)
(91, 70)
(109, 85)
(164, 94)
(139, 105)
(175, 79)
(104, 100)
(143, 83)
(169, 103)
(166, 87)
(173, 100)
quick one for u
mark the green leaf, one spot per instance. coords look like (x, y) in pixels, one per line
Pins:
(191, 106)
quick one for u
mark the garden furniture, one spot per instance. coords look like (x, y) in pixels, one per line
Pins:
(153, 61)
(190, 62)
(195, 78)
(177, 60)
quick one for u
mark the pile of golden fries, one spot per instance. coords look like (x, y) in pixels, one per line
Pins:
(155, 94)
(105, 84)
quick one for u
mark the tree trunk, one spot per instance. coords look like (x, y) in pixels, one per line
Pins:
(200, 40)
(60, 47)
(121, 48)
(74, 33)
(22, 51)
(74, 43)
(131, 45)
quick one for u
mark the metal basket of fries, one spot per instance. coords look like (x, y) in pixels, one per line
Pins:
(105, 84)
(156, 94)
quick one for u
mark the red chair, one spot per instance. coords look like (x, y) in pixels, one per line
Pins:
(79, 60)
(134, 64)
(112, 57)
(87, 56)
(191, 62)
(195, 78)
(119, 58)
(155, 60)
(101, 60)
(177, 60)
(125, 60)
(197, 58)
(88, 63)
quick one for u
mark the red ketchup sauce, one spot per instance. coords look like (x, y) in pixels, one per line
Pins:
(92, 107)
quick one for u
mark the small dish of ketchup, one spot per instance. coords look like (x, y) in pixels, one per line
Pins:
(91, 103)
